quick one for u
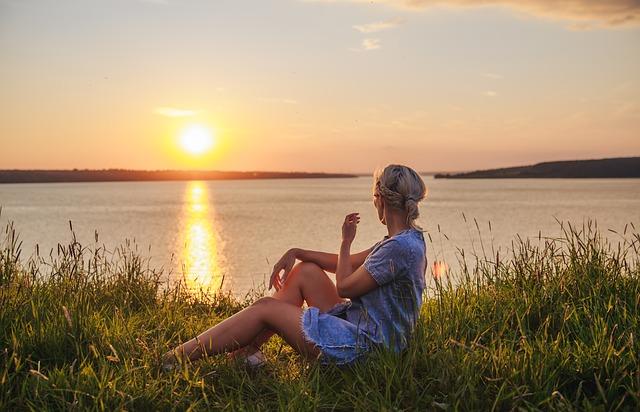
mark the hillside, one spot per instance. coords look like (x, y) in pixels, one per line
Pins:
(620, 167)
(122, 175)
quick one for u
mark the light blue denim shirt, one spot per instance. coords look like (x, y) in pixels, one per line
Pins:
(388, 314)
(384, 316)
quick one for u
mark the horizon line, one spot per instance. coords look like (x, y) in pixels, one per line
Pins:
(360, 173)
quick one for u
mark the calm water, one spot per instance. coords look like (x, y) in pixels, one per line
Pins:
(238, 229)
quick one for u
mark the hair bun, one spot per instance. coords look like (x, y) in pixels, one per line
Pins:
(411, 206)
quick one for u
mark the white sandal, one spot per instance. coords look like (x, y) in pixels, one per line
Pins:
(255, 360)
(171, 363)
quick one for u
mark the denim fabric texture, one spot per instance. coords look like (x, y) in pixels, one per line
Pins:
(385, 316)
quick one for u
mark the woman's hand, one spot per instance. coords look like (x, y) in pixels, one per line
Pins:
(285, 264)
(349, 227)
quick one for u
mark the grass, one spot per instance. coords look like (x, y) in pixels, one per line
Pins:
(552, 326)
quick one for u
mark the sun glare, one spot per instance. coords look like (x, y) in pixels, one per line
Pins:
(196, 139)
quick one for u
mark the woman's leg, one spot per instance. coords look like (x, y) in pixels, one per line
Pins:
(307, 282)
(242, 328)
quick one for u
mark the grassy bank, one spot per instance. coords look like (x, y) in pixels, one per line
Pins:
(554, 325)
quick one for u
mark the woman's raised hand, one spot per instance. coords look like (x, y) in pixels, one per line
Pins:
(285, 264)
(349, 227)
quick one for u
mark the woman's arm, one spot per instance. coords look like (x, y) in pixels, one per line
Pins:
(351, 282)
(329, 261)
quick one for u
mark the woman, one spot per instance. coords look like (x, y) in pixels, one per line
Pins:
(383, 284)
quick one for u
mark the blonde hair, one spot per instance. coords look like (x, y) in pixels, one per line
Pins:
(402, 188)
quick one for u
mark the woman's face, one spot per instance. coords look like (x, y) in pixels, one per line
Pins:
(378, 202)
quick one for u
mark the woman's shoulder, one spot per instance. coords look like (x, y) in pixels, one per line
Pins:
(411, 244)
(408, 241)
(409, 237)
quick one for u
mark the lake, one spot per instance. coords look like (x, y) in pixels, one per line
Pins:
(204, 231)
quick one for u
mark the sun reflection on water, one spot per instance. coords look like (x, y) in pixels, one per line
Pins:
(200, 253)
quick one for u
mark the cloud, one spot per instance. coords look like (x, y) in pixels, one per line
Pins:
(278, 100)
(582, 14)
(174, 112)
(627, 109)
(378, 26)
(490, 93)
(370, 44)
(494, 76)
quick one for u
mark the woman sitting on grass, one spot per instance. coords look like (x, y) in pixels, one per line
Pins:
(384, 285)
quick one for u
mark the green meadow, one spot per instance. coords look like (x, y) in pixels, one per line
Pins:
(552, 325)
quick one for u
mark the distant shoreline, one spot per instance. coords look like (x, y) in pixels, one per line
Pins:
(619, 167)
(124, 175)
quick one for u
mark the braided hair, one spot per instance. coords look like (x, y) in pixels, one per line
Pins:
(402, 188)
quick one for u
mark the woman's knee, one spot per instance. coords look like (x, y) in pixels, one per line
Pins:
(304, 270)
(307, 267)
(300, 274)
(263, 305)
(266, 308)
(264, 301)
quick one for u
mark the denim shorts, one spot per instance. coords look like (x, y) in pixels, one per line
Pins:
(340, 341)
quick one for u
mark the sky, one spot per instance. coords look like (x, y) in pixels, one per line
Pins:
(334, 86)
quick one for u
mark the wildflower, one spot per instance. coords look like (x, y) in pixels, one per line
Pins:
(439, 269)
(67, 316)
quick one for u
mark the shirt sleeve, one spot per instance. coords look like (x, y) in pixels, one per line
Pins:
(386, 262)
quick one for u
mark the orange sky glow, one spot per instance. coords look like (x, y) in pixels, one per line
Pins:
(340, 86)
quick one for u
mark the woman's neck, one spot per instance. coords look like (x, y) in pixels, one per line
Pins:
(396, 223)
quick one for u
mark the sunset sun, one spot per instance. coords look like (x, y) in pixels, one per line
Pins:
(196, 139)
